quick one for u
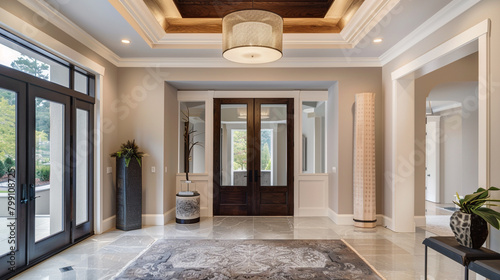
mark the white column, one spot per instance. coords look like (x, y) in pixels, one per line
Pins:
(402, 177)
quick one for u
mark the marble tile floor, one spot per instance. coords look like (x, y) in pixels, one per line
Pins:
(437, 218)
(397, 256)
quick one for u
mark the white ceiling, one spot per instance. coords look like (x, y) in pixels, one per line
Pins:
(103, 22)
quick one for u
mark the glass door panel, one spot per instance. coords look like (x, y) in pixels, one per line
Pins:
(273, 145)
(49, 168)
(7, 168)
(82, 163)
(233, 142)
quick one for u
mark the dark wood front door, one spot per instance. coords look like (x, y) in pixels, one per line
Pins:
(253, 156)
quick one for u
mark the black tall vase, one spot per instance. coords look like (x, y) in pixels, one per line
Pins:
(128, 194)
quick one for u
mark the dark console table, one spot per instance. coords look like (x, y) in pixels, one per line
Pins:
(488, 268)
(448, 246)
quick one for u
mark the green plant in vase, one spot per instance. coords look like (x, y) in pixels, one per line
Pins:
(129, 150)
(470, 222)
(128, 186)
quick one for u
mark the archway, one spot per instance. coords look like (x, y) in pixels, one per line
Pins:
(402, 171)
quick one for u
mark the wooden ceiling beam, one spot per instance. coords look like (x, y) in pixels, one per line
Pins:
(214, 25)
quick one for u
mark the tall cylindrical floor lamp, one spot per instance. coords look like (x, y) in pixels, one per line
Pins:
(364, 161)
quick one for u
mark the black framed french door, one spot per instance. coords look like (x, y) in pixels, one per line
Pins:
(48, 188)
(46, 171)
(253, 156)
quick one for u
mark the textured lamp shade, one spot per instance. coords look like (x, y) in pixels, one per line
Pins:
(252, 36)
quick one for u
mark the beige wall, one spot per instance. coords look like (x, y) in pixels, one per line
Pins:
(351, 81)
(141, 112)
(464, 69)
(481, 11)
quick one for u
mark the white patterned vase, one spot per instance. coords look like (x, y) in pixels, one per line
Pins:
(187, 208)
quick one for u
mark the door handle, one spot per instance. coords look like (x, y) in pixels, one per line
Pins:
(32, 192)
(256, 176)
(24, 198)
(250, 175)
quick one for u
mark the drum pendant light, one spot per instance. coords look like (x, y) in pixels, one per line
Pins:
(252, 36)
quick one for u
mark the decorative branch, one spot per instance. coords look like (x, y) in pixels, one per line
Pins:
(189, 144)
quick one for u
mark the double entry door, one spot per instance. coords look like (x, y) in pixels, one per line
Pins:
(253, 156)
(45, 187)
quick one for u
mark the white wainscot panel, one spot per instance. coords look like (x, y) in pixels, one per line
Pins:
(313, 195)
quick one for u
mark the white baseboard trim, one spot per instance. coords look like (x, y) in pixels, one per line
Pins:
(386, 221)
(108, 224)
(312, 212)
(204, 212)
(152, 219)
(168, 216)
(420, 221)
(158, 219)
(341, 219)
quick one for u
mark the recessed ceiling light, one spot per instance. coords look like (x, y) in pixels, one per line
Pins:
(377, 40)
(125, 41)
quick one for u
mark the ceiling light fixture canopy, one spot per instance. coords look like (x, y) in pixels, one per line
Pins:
(252, 36)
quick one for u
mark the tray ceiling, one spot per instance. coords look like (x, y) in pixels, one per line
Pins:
(205, 16)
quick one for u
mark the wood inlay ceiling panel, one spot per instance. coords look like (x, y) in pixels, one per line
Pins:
(284, 8)
(299, 16)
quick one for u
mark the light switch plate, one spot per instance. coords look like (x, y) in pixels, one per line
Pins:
(153, 169)
(109, 169)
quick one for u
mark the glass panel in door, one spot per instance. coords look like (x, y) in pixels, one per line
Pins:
(49, 168)
(233, 140)
(82, 164)
(8, 186)
(273, 145)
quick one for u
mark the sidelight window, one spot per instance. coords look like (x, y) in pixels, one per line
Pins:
(313, 137)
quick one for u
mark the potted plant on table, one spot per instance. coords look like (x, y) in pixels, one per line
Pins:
(470, 222)
(128, 186)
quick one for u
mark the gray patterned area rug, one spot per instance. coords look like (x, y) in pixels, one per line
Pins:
(248, 259)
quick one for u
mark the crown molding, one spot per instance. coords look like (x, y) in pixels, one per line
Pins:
(19, 27)
(367, 17)
(303, 62)
(141, 19)
(53, 16)
(438, 20)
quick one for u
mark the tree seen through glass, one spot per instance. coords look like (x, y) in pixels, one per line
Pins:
(240, 150)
